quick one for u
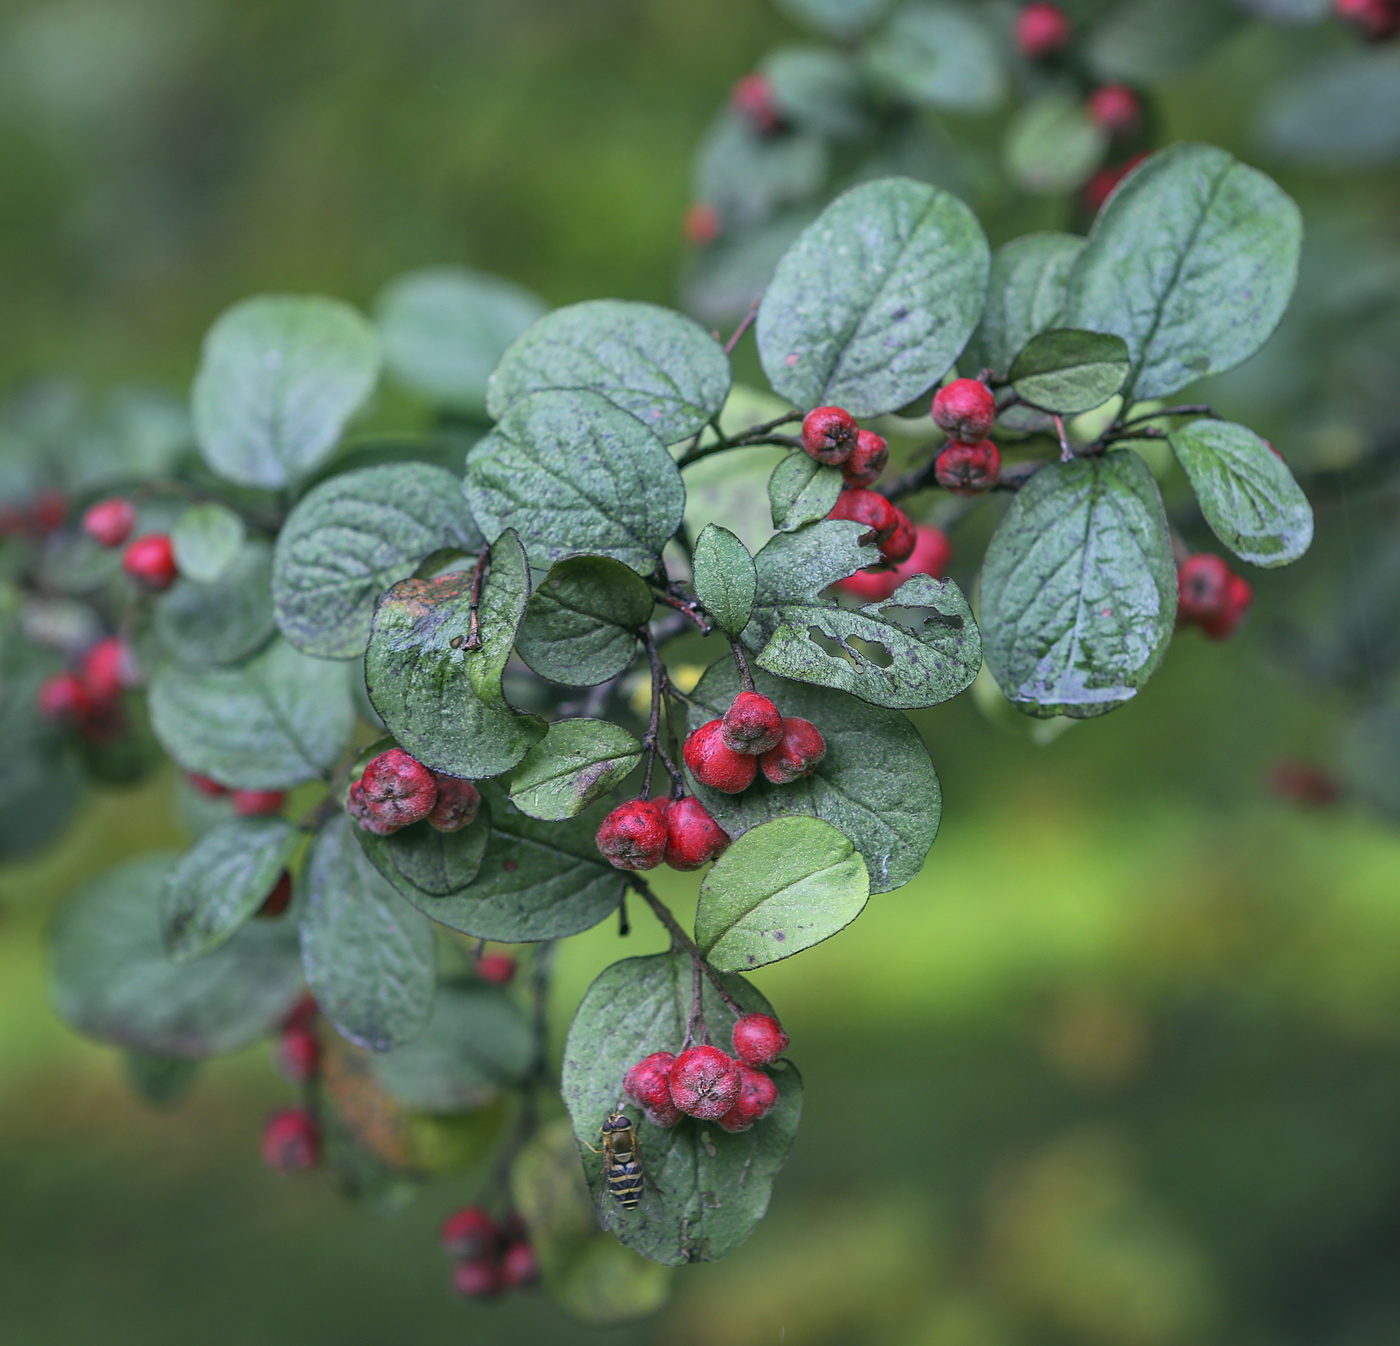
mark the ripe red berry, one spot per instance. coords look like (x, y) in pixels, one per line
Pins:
(303, 1012)
(395, 791)
(456, 805)
(479, 1278)
(298, 1054)
(150, 560)
(968, 469)
(752, 724)
(257, 803)
(714, 763)
(899, 546)
(1302, 783)
(799, 754)
(279, 899)
(497, 968)
(469, 1233)
(1201, 583)
(1378, 19)
(1239, 594)
(759, 1039)
(64, 697)
(704, 1082)
(633, 835)
(1116, 108)
(867, 460)
(1041, 29)
(931, 554)
(291, 1141)
(757, 1097)
(702, 224)
(965, 410)
(1100, 187)
(869, 508)
(518, 1265)
(648, 1085)
(107, 669)
(752, 98)
(49, 510)
(110, 522)
(206, 785)
(830, 435)
(693, 837)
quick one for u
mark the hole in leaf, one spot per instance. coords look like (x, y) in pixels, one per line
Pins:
(860, 654)
(916, 619)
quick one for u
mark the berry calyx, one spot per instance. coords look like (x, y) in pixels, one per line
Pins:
(299, 1054)
(965, 410)
(702, 224)
(968, 469)
(1041, 29)
(150, 561)
(705, 1082)
(291, 1141)
(830, 435)
(693, 837)
(279, 899)
(752, 724)
(206, 785)
(107, 669)
(457, 804)
(714, 763)
(1201, 582)
(257, 803)
(109, 522)
(633, 835)
(752, 98)
(899, 546)
(395, 791)
(1116, 108)
(798, 754)
(469, 1233)
(931, 554)
(496, 968)
(757, 1097)
(758, 1039)
(648, 1085)
(479, 1278)
(868, 459)
(518, 1265)
(63, 697)
(869, 508)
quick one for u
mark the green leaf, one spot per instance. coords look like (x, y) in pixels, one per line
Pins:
(723, 280)
(275, 721)
(1052, 145)
(223, 622)
(839, 18)
(871, 305)
(352, 537)
(818, 90)
(218, 884)
(919, 647)
(1342, 113)
(113, 980)
(575, 763)
(802, 490)
(369, 957)
(887, 802)
(709, 1188)
(749, 177)
(725, 578)
(476, 1045)
(780, 888)
(443, 329)
(279, 378)
(663, 368)
(163, 1082)
(423, 863)
(206, 539)
(939, 55)
(1025, 295)
(1247, 493)
(1191, 262)
(1079, 587)
(1067, 371)
(572, 474)
(538, 880)
(1147, 41)
(41, 786)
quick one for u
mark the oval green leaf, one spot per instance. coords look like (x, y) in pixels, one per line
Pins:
(725, 579)
(939, 55)
(1067, 371)
(575, 763)
(207, 538)
(423, 863)
(801, 491)
(223, 622)
(1025, 295)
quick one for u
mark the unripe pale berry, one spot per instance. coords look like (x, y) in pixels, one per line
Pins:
(456, 805)
(968, 469)
(206, 785)
(496, 968)
(518, 1265)
(867, 460)
(395, 791)
(830, 435)
(931, 554)
(1201, 582)
(757, 1097)
(798, 755)
(64, 697)
(479, 1278)
(648, 1085)
(150, 560)
(1040, 30)
(752, 724)
(965, 410)
(704, 1082)
(1116, 108)
(752, 98)
(702, 224)
(899, 546)
(469, 1233)
(714, 763)
(109, 522)
(299, 1054)
(869, 508)
(279, 899)
(257, 803)
(759, 1039)
(693, 837)
(633, 835)
(107, 669)
(1239, 594)
(291, 1141)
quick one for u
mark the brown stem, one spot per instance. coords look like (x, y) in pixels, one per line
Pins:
(473, 641)
(695, 1029)
(743, 326)
(652, 741)
(679, 939)
(1187, 409)
(681, 603)
(1066, 452)
(740, 658)
(755, 434)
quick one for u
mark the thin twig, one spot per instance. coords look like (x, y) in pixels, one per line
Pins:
(754, 435)
(1066, 452)
(740, 658)
(652, 741)
(696, 1021)
(743, 326)
(1189, 409)
(679, 939)
(473, 641)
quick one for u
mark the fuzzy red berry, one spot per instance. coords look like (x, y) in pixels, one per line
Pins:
(752, 98)
(869, 508)
(1201, 583)
(757, 1097)
(830, 435)
(965, 410)
(518, 1265)
(899, 546)
(759, 1039)
(1116, 108)
(752, 724)
(395, 791)
(931, 554)
(693, 837)
(714, 763)
(633, 835)
(469, 1233)
(107, 669)
(1100, 187)
(648, 1085)
(704, 1082)
(299, 1054)
(291, 1141)
(479, 1278)
(150, 560)
(968, 469)
(206, 785)
(798, 755)
(702, 225)
(497, 968)
(258, 803)
(1239, 594)
(457, 803)
(1040, 30)
(279, 899)
(64, 696)
(868, 459)
(110, 522)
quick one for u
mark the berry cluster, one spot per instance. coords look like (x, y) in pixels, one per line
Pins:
(1210, 595)
(291, 1137)
(148, 559)
(246, 803)
(490, 1256)
(727, 754)
(704, 1083)
(1377, 19)
(969, 463)
(90, 698)
(397, 790)
(643, 833)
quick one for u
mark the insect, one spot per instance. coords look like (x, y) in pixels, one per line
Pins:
(624, 1180)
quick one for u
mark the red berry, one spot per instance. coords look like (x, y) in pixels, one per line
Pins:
(518, 1265)
(1101, 186)
(1116, 108)
(1201, 583)
(110, 521)
(395, 791)
(1303, 783)
(693, 837)
(869, 508)
(478, 1279)
(258, 803)
(704, 1082)
(1376, 18)
(279, 899)
(1239, 593)
(830, 435)
(107, 669)
(64, 696)
(752, 724)
(799, 754)
(1041, 29)
(49, 511)
(965, 410)
(759, 1039)
(497, 968)
(633, 835)
(899, 546)
(968, 469)
(714, 763)
(298, 1054)
(757, 1097)
(931, 554)
(456, 805)
(867, 460)
(150, 560)
(752, 98)
(303, 1012)
(702, 224)
(206, 785)
(291, 1141)
(648, 1085)
(469, 1233)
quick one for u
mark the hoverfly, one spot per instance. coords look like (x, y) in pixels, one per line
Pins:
(624, 1181)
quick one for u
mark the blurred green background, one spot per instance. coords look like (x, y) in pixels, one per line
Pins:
(1122, 1067)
